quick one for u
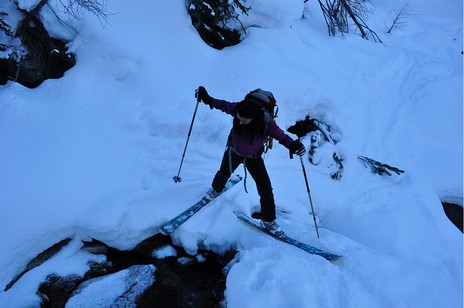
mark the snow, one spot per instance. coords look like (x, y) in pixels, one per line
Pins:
(28, 5)
(92, 155)
(164, 252)
(71, 260)
(107, 291)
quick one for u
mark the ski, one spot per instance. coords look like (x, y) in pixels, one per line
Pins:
(308, 248)
(177, 221)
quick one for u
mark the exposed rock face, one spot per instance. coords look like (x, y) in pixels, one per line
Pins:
(216, 21)
(34, 68)
(156, 273)
(120, 289)
(40, 56)
(455, 214)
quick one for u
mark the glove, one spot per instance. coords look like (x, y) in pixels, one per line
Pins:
(202, 95)
(296, 147)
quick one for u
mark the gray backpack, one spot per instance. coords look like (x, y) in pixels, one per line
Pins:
(267, 100)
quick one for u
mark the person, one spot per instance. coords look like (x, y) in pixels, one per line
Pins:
(246, 145)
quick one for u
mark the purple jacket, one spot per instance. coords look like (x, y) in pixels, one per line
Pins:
(240, 144)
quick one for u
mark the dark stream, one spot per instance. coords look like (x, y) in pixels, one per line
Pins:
(181, 280)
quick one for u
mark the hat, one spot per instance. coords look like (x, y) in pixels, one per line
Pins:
(249, 109)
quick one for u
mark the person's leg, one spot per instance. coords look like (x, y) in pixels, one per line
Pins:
(263, 184)
(259, 173)
(230, 162)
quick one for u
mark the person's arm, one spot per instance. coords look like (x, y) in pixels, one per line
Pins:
(223, 105)
(294, 146)
(220, 104)
(274, 131)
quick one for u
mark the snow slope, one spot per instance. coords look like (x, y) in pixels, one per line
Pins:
(92, 155)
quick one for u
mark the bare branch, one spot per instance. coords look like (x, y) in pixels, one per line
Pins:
(29, 17)
(337, 13)
(399, 19)
(4, 26)
(75, 8)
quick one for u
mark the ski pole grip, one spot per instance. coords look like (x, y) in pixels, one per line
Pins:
(197, 96)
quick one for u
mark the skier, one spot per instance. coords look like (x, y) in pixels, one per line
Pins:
(246, 145)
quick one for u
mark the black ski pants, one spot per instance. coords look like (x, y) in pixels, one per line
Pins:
(257, 170)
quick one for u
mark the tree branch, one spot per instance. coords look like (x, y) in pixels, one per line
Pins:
(397, 21)
(29, 16)
(337, 12)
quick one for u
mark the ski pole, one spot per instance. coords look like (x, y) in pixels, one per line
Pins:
(309, 195)
(177, 178)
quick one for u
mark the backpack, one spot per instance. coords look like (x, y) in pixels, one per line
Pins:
(265, 99)
(268, 102)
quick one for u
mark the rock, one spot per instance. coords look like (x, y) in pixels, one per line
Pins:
(39, 259)
(120, 289)
(95, 247)
(454, 213)
(55, 291)
(213, 21)
(43, 58)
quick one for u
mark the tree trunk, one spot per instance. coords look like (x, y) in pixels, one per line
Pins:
(354, 18)
(28, 17)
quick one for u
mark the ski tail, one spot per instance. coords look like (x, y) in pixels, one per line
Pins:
(177, 221)
(303, 246)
